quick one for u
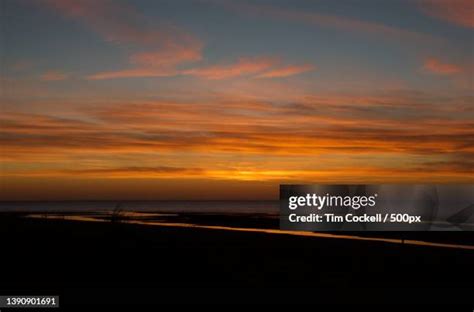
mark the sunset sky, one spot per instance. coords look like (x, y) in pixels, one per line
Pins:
(208, 99)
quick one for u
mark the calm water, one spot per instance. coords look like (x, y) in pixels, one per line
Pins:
(154, 214)
(218, 207)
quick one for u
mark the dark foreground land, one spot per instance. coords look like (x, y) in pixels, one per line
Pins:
(74, 258)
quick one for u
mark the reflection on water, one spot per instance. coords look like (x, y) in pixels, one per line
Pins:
(169, 220)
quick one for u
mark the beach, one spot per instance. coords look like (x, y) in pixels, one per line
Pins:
(57, 253)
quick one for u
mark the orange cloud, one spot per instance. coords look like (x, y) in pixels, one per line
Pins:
(315, 126)
(459, 12)
(399, 137)
(53, 75)
(263, 67)
(162, 171)
(170, 56)
(159, 63)
(163, 65)
(287, 71)
(436, 66)
(340, 174)
(133, 73)
(167, 46)
(243, 66)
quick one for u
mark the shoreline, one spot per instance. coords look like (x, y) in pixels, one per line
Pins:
(74, 253)
(257, 223)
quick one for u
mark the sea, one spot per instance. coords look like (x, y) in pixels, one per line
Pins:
(206, 207)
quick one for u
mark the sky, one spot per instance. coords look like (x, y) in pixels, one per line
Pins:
(208, 99)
